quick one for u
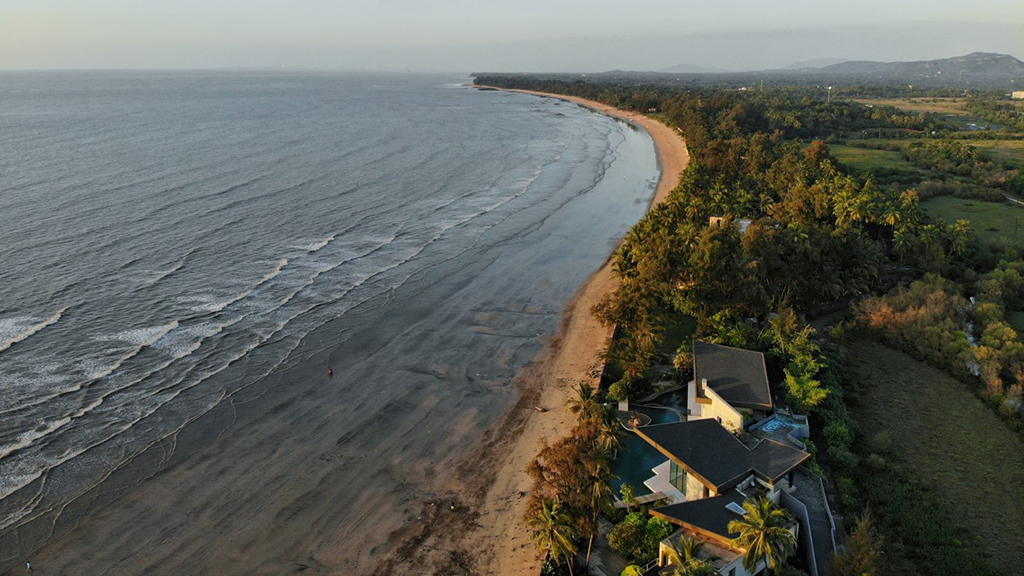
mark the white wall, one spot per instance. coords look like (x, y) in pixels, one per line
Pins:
(718, 408)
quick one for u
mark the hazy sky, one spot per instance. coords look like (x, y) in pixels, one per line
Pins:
(495, 35)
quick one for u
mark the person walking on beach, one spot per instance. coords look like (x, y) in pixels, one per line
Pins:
(330, 372)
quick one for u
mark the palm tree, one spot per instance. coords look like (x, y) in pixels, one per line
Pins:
(764, 534)
(585, 405)
(553, 532)
(960, 235)
(599, 495)
(683, 557)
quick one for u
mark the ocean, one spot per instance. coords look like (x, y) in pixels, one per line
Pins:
(184, 256)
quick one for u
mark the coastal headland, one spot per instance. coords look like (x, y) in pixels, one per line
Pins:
(497, 543)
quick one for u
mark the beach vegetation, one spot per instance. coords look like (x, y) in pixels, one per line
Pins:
(884, 224)
(553, 532)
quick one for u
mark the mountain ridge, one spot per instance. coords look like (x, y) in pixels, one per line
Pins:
(975, 64)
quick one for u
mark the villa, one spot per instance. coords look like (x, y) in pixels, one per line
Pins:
(732, 447)
(729, 385)
(709, 474)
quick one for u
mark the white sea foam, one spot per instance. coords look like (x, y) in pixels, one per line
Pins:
(141, 337)
(218, 306)
(30, 330)
(178, 266)
(26, 438)
(318, 245)
(273, 273)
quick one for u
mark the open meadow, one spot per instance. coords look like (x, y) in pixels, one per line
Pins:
(925, 105)
(928, 422)
(989, 220)
(870, 158)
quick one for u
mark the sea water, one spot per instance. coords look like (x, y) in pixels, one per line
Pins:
(183, 255)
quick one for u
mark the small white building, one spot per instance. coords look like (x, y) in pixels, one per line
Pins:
(729, 385)
(740, 223)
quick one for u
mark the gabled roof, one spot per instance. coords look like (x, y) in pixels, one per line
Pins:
(717, 457)
(738, 376)
(708, 516)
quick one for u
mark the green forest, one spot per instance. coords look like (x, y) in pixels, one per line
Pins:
(870, 229)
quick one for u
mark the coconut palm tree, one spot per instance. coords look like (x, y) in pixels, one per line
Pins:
(553, 532)
(960, 235)
(684, 560)
(585, 405)
(763, 533)
(598, 495)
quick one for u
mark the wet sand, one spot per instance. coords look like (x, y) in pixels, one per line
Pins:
(498, 542)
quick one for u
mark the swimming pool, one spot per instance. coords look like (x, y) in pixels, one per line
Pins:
(634, 462)
(676, 399)
(657, 415)
(780, 423)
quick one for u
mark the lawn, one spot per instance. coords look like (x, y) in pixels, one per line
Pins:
(989, 220)
(946, 436)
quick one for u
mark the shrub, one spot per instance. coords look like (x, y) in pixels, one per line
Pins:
(637, 537)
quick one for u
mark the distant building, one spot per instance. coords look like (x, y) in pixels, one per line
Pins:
(741, 223)
(1017, 94)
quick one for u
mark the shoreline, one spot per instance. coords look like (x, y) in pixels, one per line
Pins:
(498, 540)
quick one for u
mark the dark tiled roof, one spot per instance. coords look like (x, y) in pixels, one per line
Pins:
(708, 515)
(704, 446)
(773, 459)
(738, 376)
(708, 450)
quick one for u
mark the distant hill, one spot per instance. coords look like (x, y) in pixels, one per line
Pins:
(692, 69)
(816, 63)
(985, 65)
(977, 70)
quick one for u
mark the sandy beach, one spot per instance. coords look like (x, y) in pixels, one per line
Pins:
(498, 543)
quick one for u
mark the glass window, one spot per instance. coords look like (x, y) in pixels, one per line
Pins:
(677, 476)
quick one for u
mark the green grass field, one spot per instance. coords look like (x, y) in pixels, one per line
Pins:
(866, 158)
(949, 439)
(934, 105)
(989, 220)
(1002, 150)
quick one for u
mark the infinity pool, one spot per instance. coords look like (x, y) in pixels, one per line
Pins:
(634, 463)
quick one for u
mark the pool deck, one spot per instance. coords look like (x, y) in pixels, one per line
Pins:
(641, 500)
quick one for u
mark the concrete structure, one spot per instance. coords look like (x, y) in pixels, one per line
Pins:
(709, 474)
(1017, 94)
(729, 385)
(718, 221)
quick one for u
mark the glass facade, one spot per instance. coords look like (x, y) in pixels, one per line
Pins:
(677, 476)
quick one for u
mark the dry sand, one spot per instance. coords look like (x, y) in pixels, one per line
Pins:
(498, 543)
